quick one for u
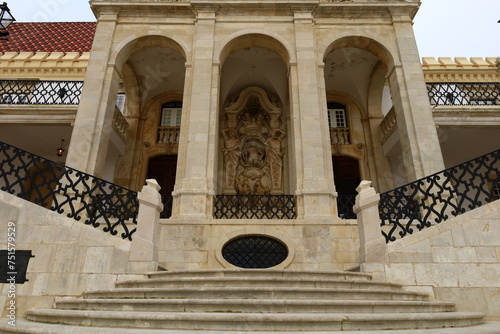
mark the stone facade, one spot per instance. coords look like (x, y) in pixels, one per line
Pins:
(455, 261)
(254, 98)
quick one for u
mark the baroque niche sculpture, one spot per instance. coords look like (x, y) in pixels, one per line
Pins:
(253, 145)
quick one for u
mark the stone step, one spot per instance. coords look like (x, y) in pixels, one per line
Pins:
(27, 327)
(252, 321)
(257, 282)
(264, 273)
(256, 293)
(253, 305)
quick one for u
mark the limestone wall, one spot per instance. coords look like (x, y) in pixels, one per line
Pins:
(457, 261)
(312, 244)
(70, 257)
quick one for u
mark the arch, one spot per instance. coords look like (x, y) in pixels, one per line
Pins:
(361, 42)
(376, 91)
(157, 101)
(347, 100)
(133, 44)
(249, 92)
(254, 38)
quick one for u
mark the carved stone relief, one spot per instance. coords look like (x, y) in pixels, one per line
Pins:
(253, 145)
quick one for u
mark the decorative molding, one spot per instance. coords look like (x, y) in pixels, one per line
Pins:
(43, 65)
(460, 69)
(253, 144)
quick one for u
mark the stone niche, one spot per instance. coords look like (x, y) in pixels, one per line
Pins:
(254, 144)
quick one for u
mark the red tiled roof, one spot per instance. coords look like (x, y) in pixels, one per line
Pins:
(49, 37)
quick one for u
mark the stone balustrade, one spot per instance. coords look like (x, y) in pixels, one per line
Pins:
(388, 125)
(120, 124)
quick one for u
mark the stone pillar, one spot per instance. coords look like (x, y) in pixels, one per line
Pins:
(143, 256)
(421, 151)
(93, 123)
(192, 190)
(315, 190)
(372, 245)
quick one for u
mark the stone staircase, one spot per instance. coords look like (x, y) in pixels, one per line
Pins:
(247, 301)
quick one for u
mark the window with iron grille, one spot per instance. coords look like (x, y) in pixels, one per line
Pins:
(255, 251)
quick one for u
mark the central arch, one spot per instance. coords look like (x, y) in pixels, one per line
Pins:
(253, 116)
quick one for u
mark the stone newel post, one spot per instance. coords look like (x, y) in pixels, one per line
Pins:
(372, 246)
(143, 255)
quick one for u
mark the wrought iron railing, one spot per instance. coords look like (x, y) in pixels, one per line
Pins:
(254, 207)
(40, 92)
(345, 204)
(440, 196)
(69, 191)
(167, 201)
(464, 93)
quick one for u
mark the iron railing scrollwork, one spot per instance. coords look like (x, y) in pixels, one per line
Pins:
(254, 207)
(345, 205)
(440, 196)
(68, 191)
(464, 93)
(40, 92)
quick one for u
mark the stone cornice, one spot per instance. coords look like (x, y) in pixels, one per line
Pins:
(38, 114)
(341, 8)
(460, 69)
(44, 65)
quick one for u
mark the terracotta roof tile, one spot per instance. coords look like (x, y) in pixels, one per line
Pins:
(49, 37)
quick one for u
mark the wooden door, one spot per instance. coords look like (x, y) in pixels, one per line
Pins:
(347, 178)
(163, 169)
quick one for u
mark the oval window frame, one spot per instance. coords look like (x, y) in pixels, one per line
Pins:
(280, 237)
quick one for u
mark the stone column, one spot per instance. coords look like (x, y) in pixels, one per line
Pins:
(418, 135)
(316, 187)
(192, 189)
(93, 123)
(143, 256)
(372, 245)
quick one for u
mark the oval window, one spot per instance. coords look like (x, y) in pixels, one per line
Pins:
(254, 251)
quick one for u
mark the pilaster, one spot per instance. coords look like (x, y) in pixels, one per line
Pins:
(192, 189)
(93, 123)
(316, 197)
(418, 136)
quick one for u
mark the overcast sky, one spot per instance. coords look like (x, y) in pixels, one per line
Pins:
(443, 28)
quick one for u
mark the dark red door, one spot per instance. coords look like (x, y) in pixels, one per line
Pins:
(163, 169)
